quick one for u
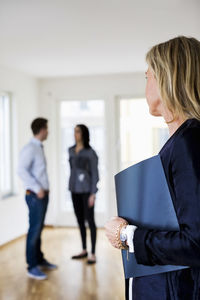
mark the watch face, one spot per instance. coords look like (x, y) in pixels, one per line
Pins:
(123, 237)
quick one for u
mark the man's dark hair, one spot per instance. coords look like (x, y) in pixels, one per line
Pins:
(38, 124)
(85, 135)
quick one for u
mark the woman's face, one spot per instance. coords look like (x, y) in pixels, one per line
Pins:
(77, 134)
(152, 94)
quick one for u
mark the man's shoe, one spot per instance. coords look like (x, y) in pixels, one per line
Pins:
(36, 273)
(47, 265)
(79, 256)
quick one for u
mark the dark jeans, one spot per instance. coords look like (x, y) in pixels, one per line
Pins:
(83, 212)
(37, 211)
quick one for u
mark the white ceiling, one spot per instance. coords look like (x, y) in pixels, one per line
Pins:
(48, 38)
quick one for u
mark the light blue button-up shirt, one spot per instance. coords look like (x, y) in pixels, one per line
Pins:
(32, 166)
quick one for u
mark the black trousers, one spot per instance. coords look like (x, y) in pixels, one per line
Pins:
(85, 213)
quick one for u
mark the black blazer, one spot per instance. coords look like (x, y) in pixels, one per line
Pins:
(181, 161)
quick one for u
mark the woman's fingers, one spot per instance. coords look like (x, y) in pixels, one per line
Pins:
(112, 227)
(91, 200)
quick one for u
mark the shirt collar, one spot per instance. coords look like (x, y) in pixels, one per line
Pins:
(36, 141)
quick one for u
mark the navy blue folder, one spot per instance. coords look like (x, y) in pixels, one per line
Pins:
(143, 199)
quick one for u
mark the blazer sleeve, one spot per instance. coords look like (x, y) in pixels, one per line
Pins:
(177, 247)
(69, 156)
(94, 172)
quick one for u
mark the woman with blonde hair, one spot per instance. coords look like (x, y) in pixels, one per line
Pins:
(173, 92)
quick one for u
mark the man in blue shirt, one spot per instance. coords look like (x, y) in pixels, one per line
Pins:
(32, 170)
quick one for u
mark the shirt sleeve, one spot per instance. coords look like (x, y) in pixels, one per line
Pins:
(177, 247)
(26, 159)
(130, 229)
(94, 172)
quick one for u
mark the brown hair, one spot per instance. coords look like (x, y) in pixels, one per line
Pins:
(38, 124)
(85, 135)
(176, 67)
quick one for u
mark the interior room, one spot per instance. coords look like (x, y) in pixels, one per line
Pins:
(76, 62)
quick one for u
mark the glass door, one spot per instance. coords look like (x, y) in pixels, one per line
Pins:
(141, 135)
(91, 113)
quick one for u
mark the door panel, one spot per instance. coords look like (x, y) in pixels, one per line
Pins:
(91, 113)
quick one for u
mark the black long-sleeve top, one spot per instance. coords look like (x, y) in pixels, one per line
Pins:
(84, 171)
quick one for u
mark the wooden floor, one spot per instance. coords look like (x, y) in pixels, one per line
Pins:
(73, 280)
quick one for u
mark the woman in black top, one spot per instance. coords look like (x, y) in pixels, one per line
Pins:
(173, 92)
(83, 186)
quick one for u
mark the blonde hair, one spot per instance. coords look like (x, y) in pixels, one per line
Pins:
(176, 67)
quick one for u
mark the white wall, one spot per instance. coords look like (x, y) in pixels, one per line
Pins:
(107, 87)
(24, 91)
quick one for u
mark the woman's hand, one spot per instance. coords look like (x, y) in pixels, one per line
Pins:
(112, 228)
(91, 200)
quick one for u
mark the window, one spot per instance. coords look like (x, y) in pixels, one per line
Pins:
(141, 134)
(6, 184)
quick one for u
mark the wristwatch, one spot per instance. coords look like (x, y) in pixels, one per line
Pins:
(123, 236)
